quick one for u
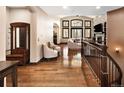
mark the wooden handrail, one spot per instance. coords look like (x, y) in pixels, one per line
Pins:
(92, 45)
(105, 79)
(120, 77)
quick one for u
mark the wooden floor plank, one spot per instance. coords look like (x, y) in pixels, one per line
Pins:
(65, 71)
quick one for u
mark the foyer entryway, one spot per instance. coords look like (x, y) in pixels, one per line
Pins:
(67, 70)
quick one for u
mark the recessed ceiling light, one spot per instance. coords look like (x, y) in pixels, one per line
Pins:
(65, 7)
(98, 7)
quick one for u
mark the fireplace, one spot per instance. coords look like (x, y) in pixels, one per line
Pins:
(99, 39)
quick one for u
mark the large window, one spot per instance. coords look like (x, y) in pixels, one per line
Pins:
(76, 27)
(65, 33)
(87, 33)
(76, 33)
(65, 23)
(76, 23)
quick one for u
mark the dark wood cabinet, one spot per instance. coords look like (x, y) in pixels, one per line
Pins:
(20, 42)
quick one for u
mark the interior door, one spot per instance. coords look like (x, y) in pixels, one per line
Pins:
(20, 36)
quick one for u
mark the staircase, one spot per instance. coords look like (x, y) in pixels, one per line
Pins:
(106, 71)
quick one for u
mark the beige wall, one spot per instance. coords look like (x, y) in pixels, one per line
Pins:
(2, 33)
(115, 35)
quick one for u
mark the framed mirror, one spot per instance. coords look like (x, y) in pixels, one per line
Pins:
(87, 33)
(65, 33)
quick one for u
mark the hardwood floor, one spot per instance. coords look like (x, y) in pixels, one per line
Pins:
(68, 70)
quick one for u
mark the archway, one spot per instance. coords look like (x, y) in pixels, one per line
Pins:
(55, 33)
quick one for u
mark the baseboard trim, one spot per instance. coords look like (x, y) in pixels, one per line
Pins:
(63, 43)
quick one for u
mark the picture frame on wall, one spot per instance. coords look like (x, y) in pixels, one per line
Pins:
(87, 33)
(65, 23)
(87, 23)
(65, 33)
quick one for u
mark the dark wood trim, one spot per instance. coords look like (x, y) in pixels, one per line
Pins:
(20, 24)
(11, 40)
(29, 42)
(8, 67)
(15, 37)
(13, 30)
(63, 43)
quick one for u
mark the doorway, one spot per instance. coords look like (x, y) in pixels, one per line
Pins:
(55, 33)
(20, 37)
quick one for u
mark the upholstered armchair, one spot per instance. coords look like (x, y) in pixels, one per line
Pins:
(55, 47)
(73, 45)
(48, 52)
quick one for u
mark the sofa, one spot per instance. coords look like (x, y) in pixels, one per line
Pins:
(55, 47)
(73, 45)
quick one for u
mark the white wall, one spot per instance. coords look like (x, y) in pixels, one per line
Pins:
(20, 15)
(33, 38)
(15, 15)
(2, 33)
(8, 35)
(99, 19)
(41, 28)
(44, 30)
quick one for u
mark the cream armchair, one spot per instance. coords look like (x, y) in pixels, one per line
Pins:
(56, 47)
(48, 52)
(73, 45)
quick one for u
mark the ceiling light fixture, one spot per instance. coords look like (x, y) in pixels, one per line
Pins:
(98, 7)
(65, 7)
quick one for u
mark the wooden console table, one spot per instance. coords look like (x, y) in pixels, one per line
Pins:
(8, 67)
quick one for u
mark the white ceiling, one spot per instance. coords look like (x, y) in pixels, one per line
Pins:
(59, 11)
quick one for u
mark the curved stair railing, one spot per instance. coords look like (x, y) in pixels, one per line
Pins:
(106, 70)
